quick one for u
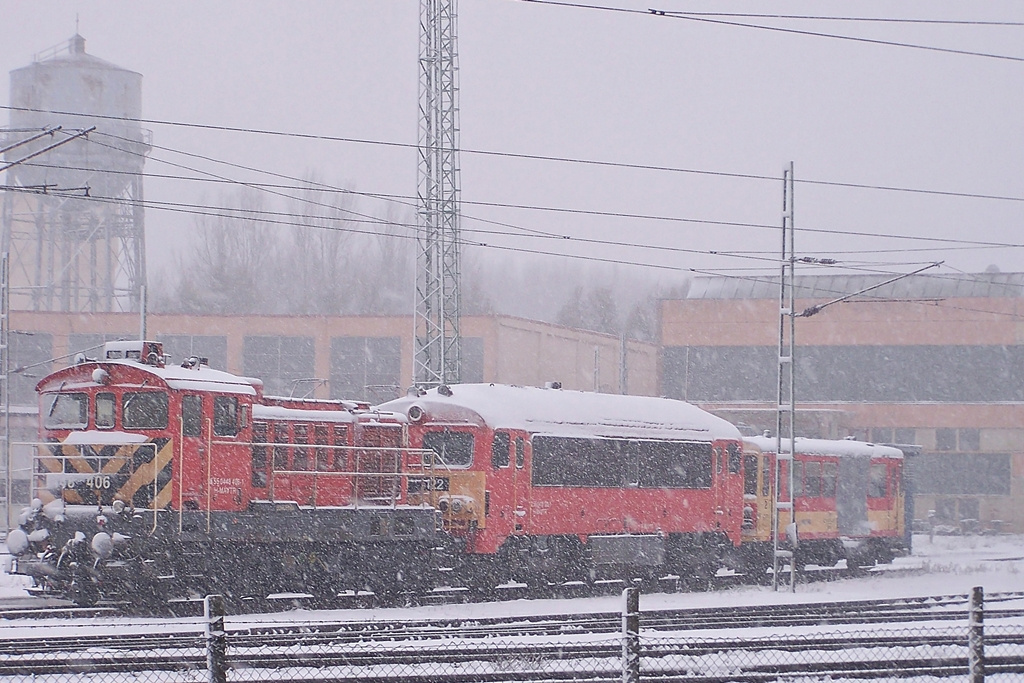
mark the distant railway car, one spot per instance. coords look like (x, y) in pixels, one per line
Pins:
(548, 485)
(155, 479)
(848, 498)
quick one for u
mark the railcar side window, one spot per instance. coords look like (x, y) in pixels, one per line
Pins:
(812, 479)
(144, 410)
(455, 448)
(225, 415)
(65, 410)
(828, 480)
(105, 404)
(766, 476)
(340, 454)
(877, 481)
(300, 461)
(192, 415)
(610, 463)
(280, 452)
(320, 438)
(499, 450)
(259, 454)
(750, 475)
(675, 465)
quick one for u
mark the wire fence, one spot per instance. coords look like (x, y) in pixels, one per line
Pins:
(204, 651)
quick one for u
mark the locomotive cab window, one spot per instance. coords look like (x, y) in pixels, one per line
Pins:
(499, 450)
(520, 453)
(225, 415)
(734, 458)
(877, 481)
(192, 415)
(144, 410)
(65, 410)
(455, 448)
(105, 407)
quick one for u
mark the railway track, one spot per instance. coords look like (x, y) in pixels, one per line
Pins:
(666, 661)
(949, 608)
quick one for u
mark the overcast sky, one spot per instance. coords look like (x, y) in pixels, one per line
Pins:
(604, 86)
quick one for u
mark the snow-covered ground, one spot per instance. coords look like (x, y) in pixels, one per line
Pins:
(944, 565)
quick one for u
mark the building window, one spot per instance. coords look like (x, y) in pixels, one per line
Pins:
(278, 361)
(954, 473)
(30, 361)
(472, 349)
(881, 435)
(945, 439)
(366, 368)
(969, 439)
(181, 346)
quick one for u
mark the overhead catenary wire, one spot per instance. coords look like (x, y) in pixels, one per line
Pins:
(670, 14)
(410, 201)
(534, 157)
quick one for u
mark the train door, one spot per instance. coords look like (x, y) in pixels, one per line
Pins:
(192, 454)
(520, 487)
(226, 459)
(732, 490)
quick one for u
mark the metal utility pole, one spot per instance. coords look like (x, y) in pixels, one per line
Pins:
(436, 321)
(785, 416)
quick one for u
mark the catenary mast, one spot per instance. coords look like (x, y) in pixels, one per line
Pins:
(436, 320)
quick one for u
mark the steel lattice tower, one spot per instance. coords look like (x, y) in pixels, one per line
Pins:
(436, 321)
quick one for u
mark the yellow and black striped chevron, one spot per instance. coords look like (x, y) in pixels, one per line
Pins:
(138, 474)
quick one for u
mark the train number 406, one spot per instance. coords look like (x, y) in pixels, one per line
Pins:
(98, 482)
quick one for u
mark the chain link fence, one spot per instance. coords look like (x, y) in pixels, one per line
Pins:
(203, 651)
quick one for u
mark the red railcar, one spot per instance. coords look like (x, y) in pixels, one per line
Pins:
(549, 485)
(848, 497)
(187, 478)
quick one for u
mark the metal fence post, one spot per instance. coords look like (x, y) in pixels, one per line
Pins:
(976, 636)
(216, 639)
(631, 635)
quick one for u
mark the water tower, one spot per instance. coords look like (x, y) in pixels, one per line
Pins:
(72, 249)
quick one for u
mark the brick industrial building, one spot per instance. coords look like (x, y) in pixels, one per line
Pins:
(931, 361)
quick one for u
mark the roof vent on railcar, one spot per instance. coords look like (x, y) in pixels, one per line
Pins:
(553, 385)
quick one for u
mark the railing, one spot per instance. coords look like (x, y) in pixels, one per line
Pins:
(55, 471)
(209, 649)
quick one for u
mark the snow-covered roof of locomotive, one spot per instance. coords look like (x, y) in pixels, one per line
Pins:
(569, 413)
(838, 447)
(262, 412)
(201, 378)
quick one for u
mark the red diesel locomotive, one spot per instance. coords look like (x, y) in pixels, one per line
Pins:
(157, 480)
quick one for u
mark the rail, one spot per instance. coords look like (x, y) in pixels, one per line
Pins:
(390, 650)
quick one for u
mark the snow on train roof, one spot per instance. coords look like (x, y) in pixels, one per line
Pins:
(839, 447)
(200, 378)
(565, 412)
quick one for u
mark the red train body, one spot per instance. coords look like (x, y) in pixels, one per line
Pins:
(153, 480)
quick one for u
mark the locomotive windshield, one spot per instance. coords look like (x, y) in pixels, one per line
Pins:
(67, 411)
(455, 448)
(144, 410)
